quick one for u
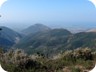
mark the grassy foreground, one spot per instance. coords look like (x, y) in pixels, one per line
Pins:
(78, 60)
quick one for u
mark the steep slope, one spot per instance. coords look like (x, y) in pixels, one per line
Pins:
(35, 28)
(8, 37)
(56, 41)
(83, 39)
(44, 41)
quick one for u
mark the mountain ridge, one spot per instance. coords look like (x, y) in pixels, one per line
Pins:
(35, 28)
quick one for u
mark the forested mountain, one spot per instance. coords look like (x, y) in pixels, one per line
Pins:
(49, 41)
(8, 37)
(56, 40)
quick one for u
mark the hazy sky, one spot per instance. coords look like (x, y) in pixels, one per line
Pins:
(47, 11)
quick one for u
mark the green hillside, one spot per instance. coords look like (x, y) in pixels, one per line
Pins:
(55, 41)
(8, 37)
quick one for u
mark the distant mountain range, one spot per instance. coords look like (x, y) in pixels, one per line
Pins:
(8, 37)
(56, 40)
(40, 38)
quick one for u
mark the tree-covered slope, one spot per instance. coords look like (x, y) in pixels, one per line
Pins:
(56, 40)
(8, 37)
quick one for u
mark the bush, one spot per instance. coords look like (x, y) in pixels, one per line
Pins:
(18, 61)
(76, 70)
